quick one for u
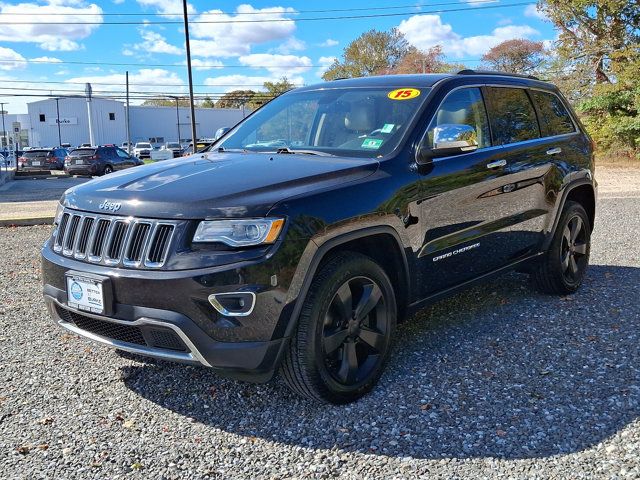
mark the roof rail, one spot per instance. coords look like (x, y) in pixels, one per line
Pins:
(468, 71)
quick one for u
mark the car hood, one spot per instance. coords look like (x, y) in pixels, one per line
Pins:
(214, 185)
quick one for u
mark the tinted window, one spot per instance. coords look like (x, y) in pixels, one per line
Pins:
(554, 117)
(121, 153)
(36, 153)
(513, 118)
(463, 107)
(83, 152)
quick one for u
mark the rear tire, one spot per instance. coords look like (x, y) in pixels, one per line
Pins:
(107, 170)
(344, 332)
(562, 269)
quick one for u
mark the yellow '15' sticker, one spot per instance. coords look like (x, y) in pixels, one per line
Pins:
(403, 93)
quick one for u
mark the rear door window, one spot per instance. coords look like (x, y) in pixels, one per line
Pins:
(554, 117)
(513, 118)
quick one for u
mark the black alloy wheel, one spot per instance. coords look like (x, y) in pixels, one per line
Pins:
(354, 331)
(574, 249)
(108, 169)
(344, 332)
(561, 270)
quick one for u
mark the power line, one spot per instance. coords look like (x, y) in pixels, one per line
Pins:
(278, 20)
(262, 12)
(173, 65)
(135, 84)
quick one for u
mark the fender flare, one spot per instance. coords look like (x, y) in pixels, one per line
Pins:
(560, 206)
(319, 255)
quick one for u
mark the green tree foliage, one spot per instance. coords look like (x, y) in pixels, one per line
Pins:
(166, 102)
(516, 56)
(373, 52)
(598, 66)
(278, 88)
(237, 98)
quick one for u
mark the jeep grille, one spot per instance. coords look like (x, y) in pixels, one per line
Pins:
(112, 240)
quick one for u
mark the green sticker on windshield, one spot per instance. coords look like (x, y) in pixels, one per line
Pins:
(373, 143)
(388, 128)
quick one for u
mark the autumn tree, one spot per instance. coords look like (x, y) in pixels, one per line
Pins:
(373, 52)
(591, 31)
(166, 102)
(516, 56)
(421, 61)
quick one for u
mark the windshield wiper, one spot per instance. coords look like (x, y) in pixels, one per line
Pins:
(287, 150)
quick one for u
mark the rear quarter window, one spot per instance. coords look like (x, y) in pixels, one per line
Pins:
(513, 118)
(554, 117)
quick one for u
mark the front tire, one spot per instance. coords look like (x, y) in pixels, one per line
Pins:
(344, 333)
(563, 267)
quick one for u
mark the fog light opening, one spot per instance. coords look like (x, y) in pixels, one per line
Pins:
(233, 304)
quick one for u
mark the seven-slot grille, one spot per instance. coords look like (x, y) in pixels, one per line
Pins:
(110, 240)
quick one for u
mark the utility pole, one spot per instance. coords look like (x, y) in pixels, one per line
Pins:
(4, 129)
(188, 48)
(127, 117)
(87, 92)
(58, 121)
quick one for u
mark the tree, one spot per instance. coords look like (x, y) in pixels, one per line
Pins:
(166, 102)
(516, 56)
(237, 98)
(207, 103)
(430, 61)
(278, 88)
(373, 52)
(591, 31)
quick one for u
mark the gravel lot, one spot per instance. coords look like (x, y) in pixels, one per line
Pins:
(496, 382)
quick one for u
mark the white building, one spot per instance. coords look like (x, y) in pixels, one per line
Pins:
(108, 120)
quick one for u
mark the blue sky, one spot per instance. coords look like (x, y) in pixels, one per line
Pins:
(231, 55)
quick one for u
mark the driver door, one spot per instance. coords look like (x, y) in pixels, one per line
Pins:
(461, 216)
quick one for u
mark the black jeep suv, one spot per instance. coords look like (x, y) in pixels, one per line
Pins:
(315, 225)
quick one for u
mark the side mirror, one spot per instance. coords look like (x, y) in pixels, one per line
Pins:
(450, 139)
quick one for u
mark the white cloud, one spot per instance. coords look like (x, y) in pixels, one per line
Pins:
(46, 60)
(153, 42)
(236, 82)
(11, 60)
(153, 79)
(426, 31)
(325, 63)
(533, 12)
(63, 36)
(329, 42)
(277, 64)
(171, 7)
(292, 44)
(208, 64)
(236, 38)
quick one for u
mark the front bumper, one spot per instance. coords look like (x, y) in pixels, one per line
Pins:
(245, 348)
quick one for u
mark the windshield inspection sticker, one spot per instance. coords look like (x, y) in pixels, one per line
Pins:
(388, 128)
(403, 93)
(373, 143)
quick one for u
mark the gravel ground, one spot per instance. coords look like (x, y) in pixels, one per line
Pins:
(496, 382)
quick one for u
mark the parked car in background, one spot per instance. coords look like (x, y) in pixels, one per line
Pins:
(125, 146)
(220, 132)
(42, 159)
(161, 154)
(175, 148)
(201, 146)
(85, 145)
(142, 150)
(100, 160)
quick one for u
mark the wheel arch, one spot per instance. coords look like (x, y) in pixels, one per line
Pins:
(582, 191)
(381, 243)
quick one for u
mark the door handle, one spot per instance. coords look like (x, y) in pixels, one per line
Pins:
(554, 151)
(497, 164)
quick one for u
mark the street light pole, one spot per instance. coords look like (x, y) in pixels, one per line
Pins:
(58, 122)
(188, 48)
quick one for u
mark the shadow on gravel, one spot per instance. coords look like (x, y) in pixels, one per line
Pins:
(498, 371)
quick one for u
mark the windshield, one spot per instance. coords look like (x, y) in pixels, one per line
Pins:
(359, 122)
(173, 145)
(143, 145)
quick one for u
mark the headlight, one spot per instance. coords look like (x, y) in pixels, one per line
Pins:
(241, 232)
(59, 212)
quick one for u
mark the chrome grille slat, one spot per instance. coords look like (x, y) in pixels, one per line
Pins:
(113, 240)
